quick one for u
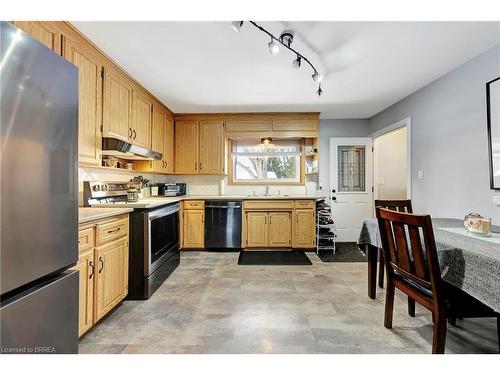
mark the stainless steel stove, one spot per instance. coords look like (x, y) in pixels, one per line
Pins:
(153, 236)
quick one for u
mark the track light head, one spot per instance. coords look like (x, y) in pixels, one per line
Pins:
(319, 92)
(317, 77)
(237, 25)
(297, 62)
(273, 47)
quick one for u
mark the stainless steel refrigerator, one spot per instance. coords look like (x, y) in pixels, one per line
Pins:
(39, 197)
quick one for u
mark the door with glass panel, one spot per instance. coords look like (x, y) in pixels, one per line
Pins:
(351, 185)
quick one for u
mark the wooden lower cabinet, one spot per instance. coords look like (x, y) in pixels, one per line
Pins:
(103, 268)
(111, 276)
(304, 229)
(193, 222)
(280, 229)
(257, 230)
(86, 269)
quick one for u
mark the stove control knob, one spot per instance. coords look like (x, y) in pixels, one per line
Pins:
(104, 187)
(96, 188)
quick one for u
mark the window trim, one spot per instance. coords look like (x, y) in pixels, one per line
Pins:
(232, 181)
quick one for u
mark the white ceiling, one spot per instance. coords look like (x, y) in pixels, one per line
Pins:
(207, 67)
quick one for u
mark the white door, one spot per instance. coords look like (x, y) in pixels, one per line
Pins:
(351, 185)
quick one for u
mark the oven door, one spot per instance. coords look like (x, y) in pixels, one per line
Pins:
(162, 237)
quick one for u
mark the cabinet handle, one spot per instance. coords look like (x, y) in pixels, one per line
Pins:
(195, 166)
(114, 230)
(93, 269)
(200, 165)
(130, 132)
(100, 260)
(135, 134)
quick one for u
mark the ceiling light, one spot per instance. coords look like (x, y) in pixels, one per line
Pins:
(319, 92)
(296, 63)
(237, 25)
(266, 141)
(317, 77)
(273, 47)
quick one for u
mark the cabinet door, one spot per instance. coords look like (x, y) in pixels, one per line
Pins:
(186, 147)
(257, 229)
(194, 229)
(111, 276)
(211, 147)
(85, 268)
(168, 148)
(117, 106)
(305, 229)
(280, 229)
(89, 100)
(45, 32)
(141, 120)
(158, 137)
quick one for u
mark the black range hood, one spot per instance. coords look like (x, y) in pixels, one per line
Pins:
(126, 150)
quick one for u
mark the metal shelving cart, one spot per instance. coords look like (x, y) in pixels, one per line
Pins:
(325, 230)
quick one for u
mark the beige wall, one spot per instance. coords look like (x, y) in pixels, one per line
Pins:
(390, 165)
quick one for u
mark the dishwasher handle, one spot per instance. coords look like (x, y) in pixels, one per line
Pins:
(223, 206)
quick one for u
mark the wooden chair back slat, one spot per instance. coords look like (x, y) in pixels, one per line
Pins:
(418, 253)
(403, 258)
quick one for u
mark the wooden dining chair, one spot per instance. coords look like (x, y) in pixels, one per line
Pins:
(403, 205)
(413, 268)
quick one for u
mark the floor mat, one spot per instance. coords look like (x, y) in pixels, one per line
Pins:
(273, 258)
(345, 252)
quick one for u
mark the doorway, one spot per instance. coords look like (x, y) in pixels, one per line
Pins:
(392, 162)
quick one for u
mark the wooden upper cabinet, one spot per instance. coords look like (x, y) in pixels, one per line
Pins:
(295, 125)
(280, 229)
(248, 124)
(211, 152)
(186, 147)
(141, 119)
(45, 32)
(168, 147)
(158, 129)
(111, 270)
(257, 229)
(304, 229)
(89, 101)
(117, 106)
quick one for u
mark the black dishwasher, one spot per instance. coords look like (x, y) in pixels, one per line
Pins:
(222, 225)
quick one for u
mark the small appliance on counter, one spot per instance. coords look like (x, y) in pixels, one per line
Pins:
(478, 225)
(172, 190)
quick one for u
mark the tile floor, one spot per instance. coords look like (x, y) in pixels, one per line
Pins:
(212, 305)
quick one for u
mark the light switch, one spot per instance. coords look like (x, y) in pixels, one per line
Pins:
(420, 174)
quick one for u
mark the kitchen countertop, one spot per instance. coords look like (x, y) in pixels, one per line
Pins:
(86, 214)
(152, 202)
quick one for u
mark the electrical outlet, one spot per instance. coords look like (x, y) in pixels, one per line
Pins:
(420, 174)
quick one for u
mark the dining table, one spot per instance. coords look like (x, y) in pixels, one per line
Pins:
(468, 261)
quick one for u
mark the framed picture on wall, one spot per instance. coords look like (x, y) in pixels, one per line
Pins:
(493, 108)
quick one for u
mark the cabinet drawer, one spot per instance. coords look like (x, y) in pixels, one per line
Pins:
(85, 239)
(304, 204)
(194, 205)
(268, 205)
(111, 231)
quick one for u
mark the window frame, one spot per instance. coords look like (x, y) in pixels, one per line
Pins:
(233, 181)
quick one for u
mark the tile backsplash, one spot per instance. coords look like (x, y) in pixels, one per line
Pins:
(196, 184)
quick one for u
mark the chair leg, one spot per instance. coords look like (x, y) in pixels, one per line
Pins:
(411, 306)
(439, 336)
(381, 267)
(498, 332)
(389, 304)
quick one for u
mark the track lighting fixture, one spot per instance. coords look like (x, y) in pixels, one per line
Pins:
(237, 25)
(285, 39)
(319, 92)
(317, 77)
(296, 63)
(273, 46)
